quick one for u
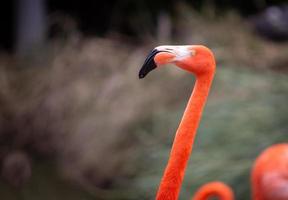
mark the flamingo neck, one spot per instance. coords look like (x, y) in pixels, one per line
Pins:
(214, 189)
(183, 143)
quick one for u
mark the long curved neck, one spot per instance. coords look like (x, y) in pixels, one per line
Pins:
(182, 146)
(214, 189)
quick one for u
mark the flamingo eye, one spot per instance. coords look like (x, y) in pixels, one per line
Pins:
(192, 52)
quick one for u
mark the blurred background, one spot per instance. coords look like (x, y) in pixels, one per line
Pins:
(77, 123)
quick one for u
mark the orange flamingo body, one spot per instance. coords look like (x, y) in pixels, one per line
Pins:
(270, 174)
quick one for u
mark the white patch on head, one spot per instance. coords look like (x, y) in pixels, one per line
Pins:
(180, 51)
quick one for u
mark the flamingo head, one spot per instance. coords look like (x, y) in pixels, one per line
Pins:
(196, 59)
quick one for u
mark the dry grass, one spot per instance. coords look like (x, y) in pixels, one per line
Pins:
(77, 105)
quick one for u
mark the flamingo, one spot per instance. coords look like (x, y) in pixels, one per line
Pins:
(214, 189)
(270, 171)
(198, 60)
(270, 174)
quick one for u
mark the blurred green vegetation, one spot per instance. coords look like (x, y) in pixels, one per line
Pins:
(93, 130)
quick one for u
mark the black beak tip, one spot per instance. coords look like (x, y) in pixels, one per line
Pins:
(141, 76)
(149, 64)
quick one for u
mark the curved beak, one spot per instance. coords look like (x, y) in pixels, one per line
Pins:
(174, 53)
(149, 64)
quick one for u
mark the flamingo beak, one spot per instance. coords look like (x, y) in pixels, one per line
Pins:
(165, 54)
(149, 64)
